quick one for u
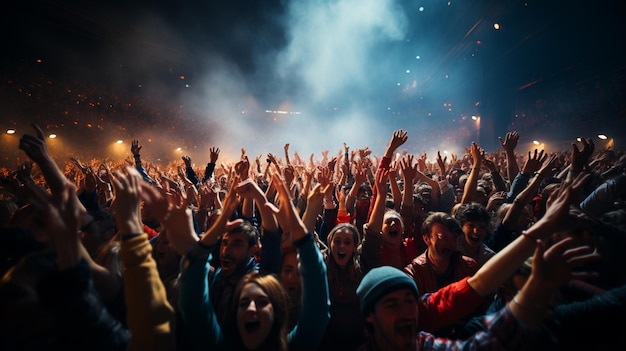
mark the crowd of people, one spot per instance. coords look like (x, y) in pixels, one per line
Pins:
(356, 251)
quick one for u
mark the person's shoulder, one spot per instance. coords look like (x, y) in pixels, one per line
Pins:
(420, 260)
(487, 251)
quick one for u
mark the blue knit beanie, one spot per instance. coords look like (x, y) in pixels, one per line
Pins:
(380, 281)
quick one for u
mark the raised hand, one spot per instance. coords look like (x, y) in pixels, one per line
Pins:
(214, 153)
(510, 141)
(179, 224)
(398, 138)
(135, 148)
(558, 204)
(187, 160)
(272, 158)
(477, 154)
(548, 166)
(286, 213)
(409, 171)
(580, 158)
(324, 177)
(242, 168)
(79, 165)
(289, 174)
(332, 163)
(441, 162)
(126, 203)
(534, 162)
(554, 266)
(35, 146)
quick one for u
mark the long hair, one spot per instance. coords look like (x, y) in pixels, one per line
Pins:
(354, 266)
(277, 338)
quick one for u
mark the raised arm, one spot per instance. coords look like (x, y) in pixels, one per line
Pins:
(533, 163)
(375, 221)
(250, 191)
(580, 157)
(508, 144)
(35, 147)
(469, 192)
(551, 269)
(214, 154)
(396, 194)
(501, 266)
(135, 148)
(149, 315)
(524, 198)
(190, 173)
(315, 312)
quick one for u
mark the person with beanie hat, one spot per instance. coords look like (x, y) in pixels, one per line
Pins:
(380, 281)
(392, 308)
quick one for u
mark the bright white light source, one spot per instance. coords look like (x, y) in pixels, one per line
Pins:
(421, 8)
(11, 131)
(602, 136)
(536, 142)
(120, 141)
(52, 136)
(496, 26)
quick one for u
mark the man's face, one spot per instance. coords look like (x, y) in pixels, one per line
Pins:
(234, 252)
(394, 320)
(441, 241)
(474, 232)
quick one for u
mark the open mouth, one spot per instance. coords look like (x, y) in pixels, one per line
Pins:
(406, 330)
(341, 255)
(252, 326)
(226, 262)
(474, 238)
(393, 233)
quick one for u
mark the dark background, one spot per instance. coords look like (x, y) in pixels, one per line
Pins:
(194, 74)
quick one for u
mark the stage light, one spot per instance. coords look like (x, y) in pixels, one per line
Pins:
(52, 136)
(602, 136)
(11, 131)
